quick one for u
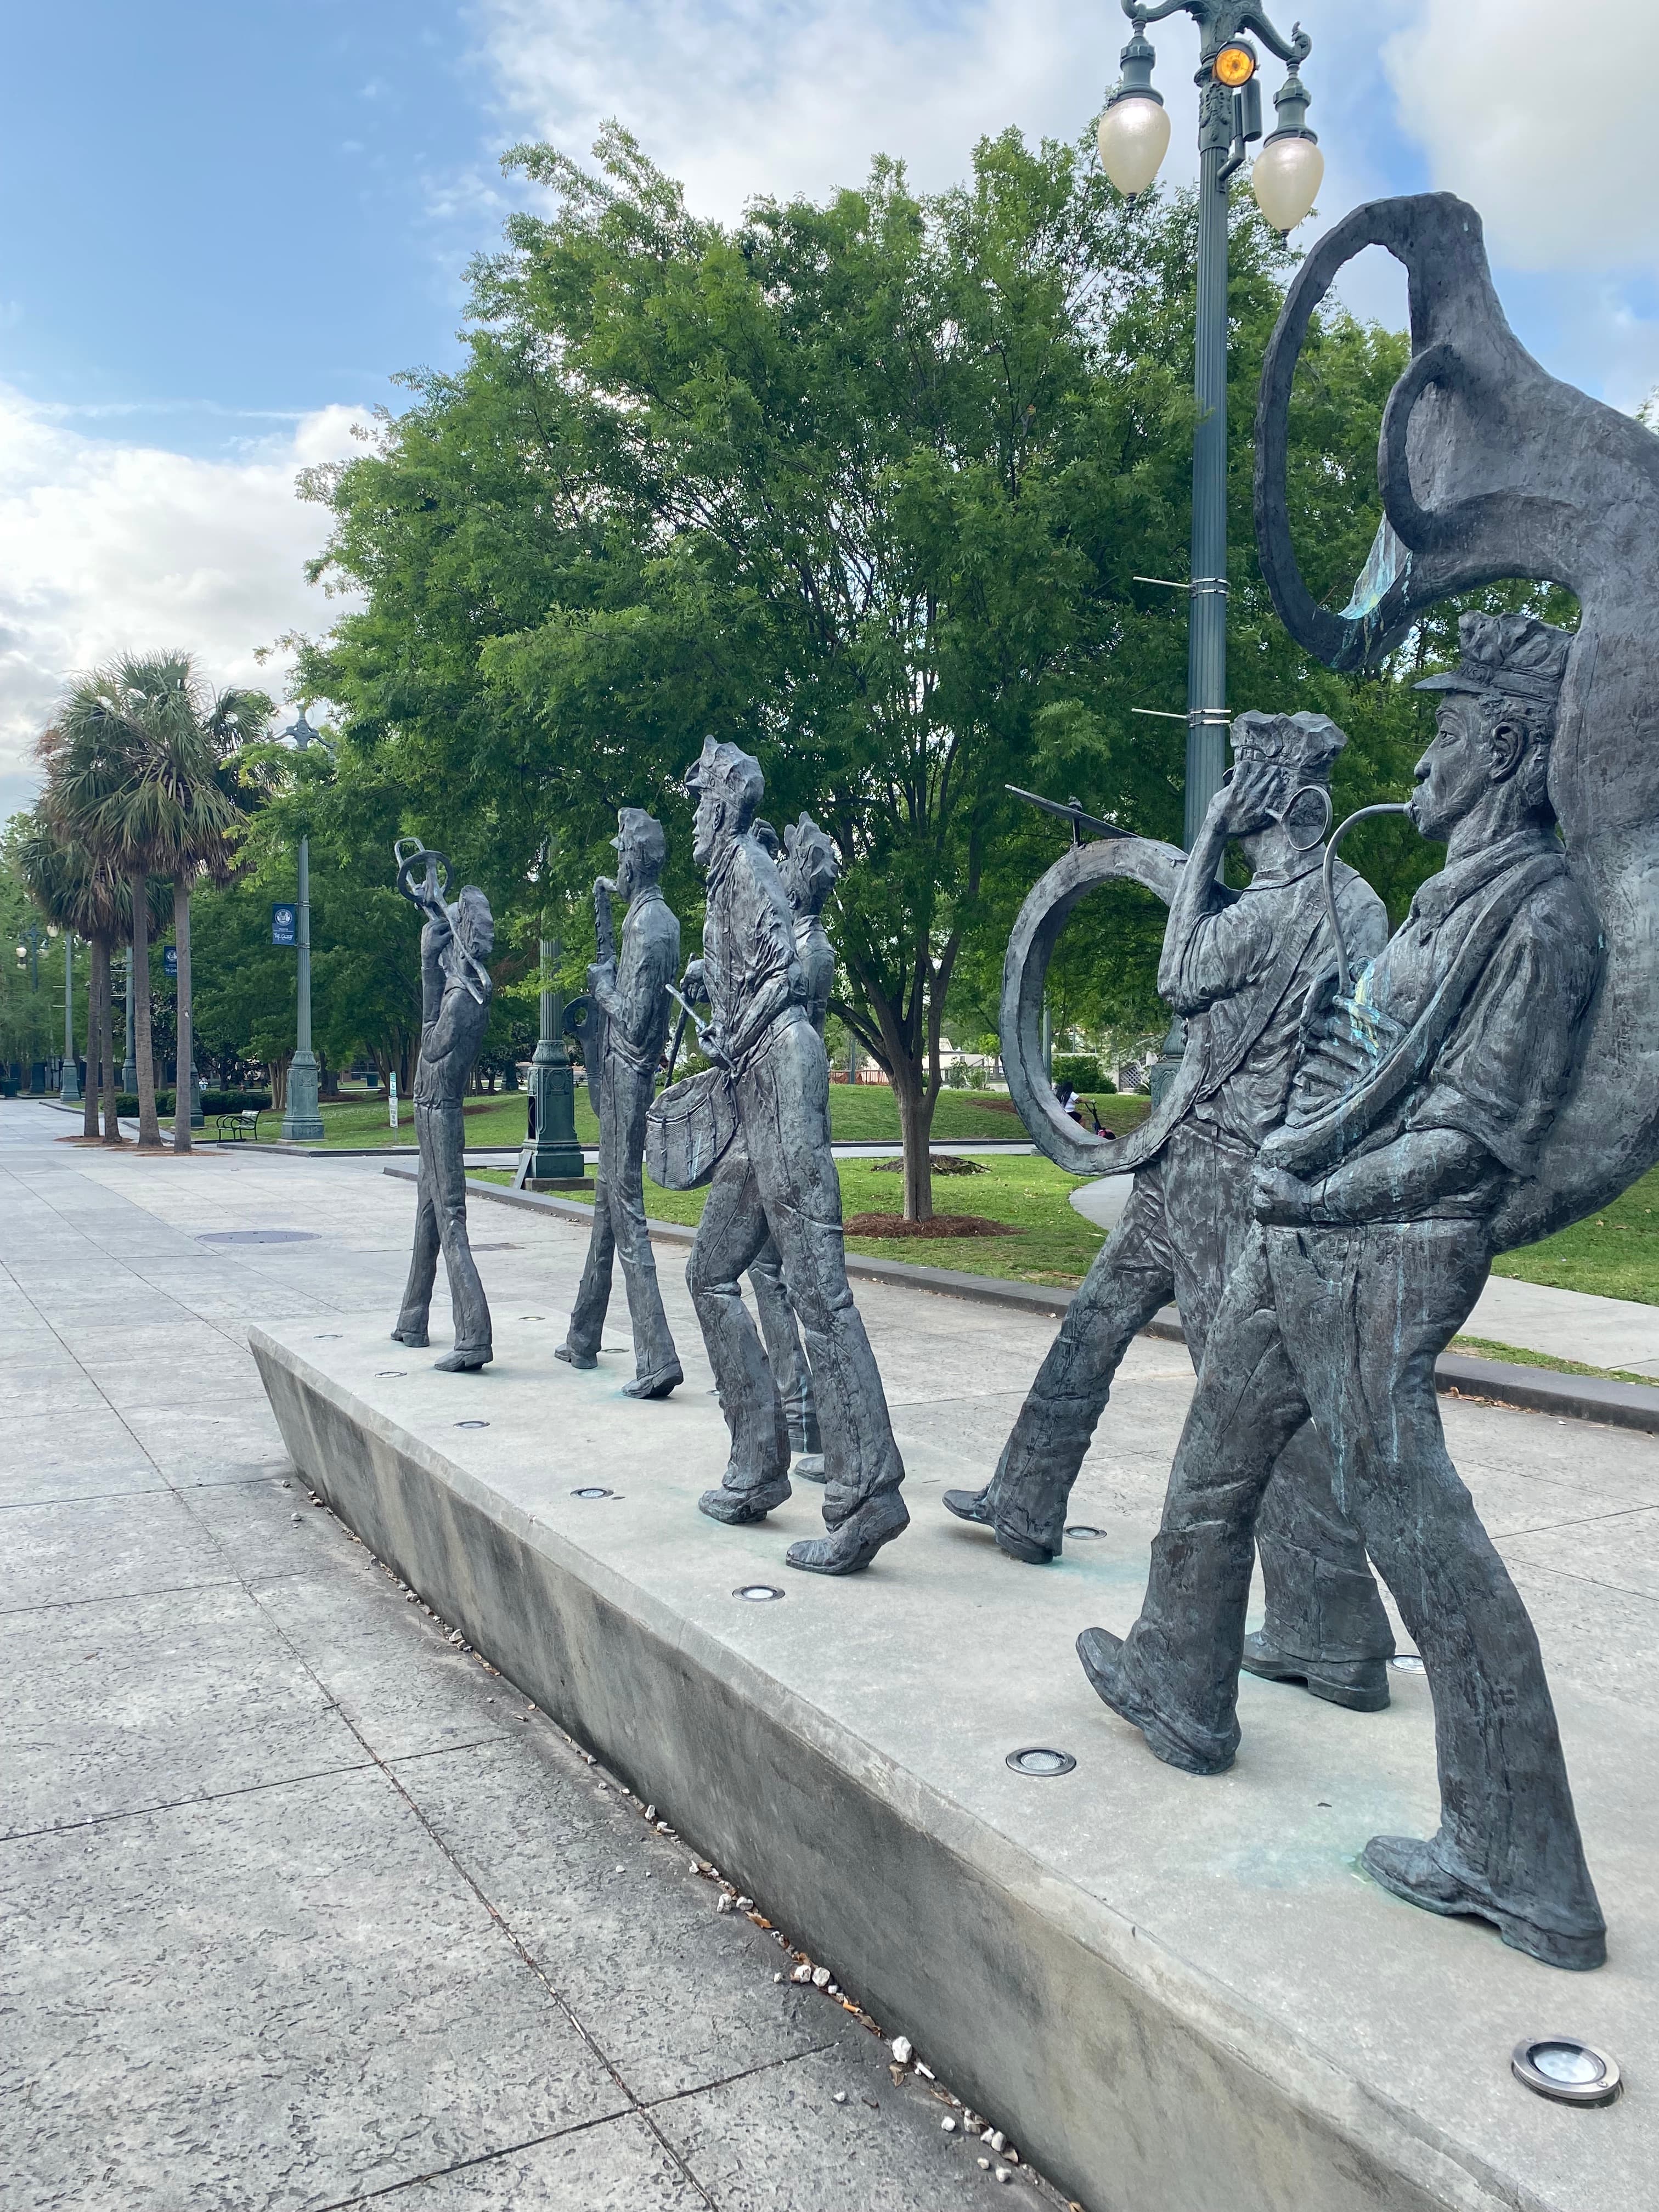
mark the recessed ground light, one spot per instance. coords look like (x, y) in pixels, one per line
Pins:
(328, 1336)
(472, 1425)
(384, 1372)
(757, 1593)
(1407, 1662)
(1083, 1531)
(532, 1316)
(1036, 1758)
(258, 1236)
(1562, 2068)
(592, 1490)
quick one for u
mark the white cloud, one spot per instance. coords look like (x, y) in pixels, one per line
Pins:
(741, 97)
(1541, 116)
(111, 545)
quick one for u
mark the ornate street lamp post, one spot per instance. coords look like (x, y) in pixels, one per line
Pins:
(302, 1122)
(130, 1063)
(1134, 136)
(551, 1158)
(69, 1092)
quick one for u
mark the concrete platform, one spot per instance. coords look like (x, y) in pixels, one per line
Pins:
(1180, 1996)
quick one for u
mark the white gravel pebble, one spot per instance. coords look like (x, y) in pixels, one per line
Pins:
(650, 1812)
(746, 1904)
(777, 1978)
(722, 1903)
(820, 1978)
(948, 2125)
(1003, 2174)
(840, 2096)
(803, 1973)
(904, 2050)
(985, 2165)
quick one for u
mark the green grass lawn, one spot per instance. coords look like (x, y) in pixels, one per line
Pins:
(865, 1113)
(1049, 1243)
(1614, 1253)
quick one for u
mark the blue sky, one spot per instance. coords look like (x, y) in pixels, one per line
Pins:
(227, 223)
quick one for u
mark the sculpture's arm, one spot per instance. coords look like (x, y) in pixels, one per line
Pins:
(1209, 952)
(1398, 1182)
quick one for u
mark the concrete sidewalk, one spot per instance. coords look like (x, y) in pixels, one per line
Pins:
(302, 1903)
(1561, 1324)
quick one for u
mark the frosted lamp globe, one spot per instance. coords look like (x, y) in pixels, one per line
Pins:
(1133, 138)
(1285, 180)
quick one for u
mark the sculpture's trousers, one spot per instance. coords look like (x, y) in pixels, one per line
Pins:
(441, 1226)
(1346, 1324)
(785, 1353)
(1187, 1219)
(619, 1230)
(778, 1180)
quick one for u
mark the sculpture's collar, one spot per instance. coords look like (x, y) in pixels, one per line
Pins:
(1443, 893)
(1277, 879)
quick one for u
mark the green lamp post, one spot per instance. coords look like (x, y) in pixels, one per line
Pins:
(302, 1120)
(1133, 139)
(552, 1157)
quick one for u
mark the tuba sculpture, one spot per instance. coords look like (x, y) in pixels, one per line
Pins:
(1491, 468)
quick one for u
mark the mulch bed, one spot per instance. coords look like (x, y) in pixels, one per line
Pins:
(942, 1224)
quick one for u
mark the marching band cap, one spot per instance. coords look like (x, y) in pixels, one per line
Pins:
(728, 769)
(643, 830)
(1306, 743)
(1506, 657)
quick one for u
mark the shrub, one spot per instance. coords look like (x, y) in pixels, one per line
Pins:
(1080, 1070)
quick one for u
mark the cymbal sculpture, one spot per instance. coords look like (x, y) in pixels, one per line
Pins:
(456, 941)
(1237, 967)
(624, 1035)
(808, 869)
(758, 1122)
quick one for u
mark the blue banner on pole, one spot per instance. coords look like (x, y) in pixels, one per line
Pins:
(170, 959)
(284, 925)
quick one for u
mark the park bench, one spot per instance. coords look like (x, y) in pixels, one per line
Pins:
(232, 1128)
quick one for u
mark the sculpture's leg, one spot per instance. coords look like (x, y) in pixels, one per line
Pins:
(582, 1339)
(731, 1231)
(412, 1320)
(1367, 1312)
(785, 1101)
(1326, 1625)
(657, 1367)
(1176, 1676)
(1131, 1277)
(466, 1292)
(785, 1352)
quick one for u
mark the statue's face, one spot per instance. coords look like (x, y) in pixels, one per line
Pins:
(1456, 772)
(629, 873)
(706, 829)
(810, 872)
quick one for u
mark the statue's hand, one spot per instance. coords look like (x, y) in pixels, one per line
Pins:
(692, 985)
(711, 1044)
(1280, 1198)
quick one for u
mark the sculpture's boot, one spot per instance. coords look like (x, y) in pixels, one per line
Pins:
(1361, 1684)
(973, 1505)
(736, 1504)
(464, 1359)
(416, 1339)
(574, 1358)
(1101, 1654)
(1018, 1546)
(810, 1466)
(657, 1384)
(1413, 1869)
(849, 1549)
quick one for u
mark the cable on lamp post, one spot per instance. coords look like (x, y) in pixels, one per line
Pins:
(1133, 137)
(302, 1120)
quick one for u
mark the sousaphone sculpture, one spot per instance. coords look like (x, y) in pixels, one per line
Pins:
(1491, 468)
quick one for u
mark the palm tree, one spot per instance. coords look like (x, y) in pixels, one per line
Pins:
(142, 753)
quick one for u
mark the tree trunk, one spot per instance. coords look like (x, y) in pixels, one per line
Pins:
(185, 1052)
(278, 1073)
(95, 1031)
(149, 1129)
(916, 1105)
(108, 1072)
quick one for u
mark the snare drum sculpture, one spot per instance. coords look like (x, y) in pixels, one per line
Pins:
(756, 1124)
(623, 1033)
(455, 988)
